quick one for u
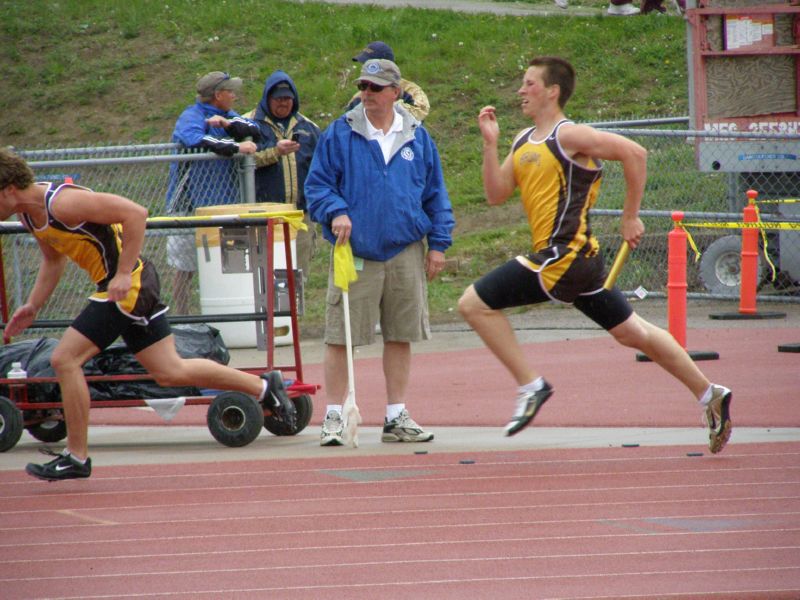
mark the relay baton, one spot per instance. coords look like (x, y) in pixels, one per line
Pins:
(619, 261)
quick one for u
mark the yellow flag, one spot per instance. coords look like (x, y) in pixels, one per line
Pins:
(344, 268)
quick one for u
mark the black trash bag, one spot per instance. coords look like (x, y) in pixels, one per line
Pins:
(191, 341)
(201, 341)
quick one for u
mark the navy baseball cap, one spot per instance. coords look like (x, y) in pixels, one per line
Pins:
(282, 90)
(375, 50)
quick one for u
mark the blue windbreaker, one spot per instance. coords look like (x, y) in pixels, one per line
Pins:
(206, 183)
(390, 205)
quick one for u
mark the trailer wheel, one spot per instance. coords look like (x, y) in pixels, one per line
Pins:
(721, 266)
(10, 424)
(304, 408)
(50, 431)
(234, 419)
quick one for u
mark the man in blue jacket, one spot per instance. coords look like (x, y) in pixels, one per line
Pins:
(209, 124)
(284, 153)
(376, 181)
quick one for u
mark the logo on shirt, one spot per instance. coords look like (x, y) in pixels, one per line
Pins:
(530, 157)
(407, 153)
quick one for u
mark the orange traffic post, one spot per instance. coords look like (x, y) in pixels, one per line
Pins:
(749, 269)
(677, 285)
(676, 280)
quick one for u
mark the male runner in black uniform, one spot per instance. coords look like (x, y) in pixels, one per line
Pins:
(557, 166)
(104, 234)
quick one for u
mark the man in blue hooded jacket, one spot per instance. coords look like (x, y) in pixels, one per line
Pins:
(209, 124)
(376, 181)
(284, 153)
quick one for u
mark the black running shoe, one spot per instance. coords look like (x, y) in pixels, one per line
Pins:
(277, 400)
(528, 404)
(63, 466)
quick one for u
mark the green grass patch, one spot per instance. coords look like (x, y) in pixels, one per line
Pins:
(121, 71)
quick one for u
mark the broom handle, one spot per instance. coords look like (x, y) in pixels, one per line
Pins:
(349, 343)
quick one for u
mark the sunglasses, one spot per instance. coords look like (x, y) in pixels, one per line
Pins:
(225, 77)
(373, 87)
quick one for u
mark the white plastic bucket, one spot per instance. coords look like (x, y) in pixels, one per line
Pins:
(232, 293)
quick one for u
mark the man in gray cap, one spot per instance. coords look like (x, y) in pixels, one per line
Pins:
(413, 98)
(208, 124)
(376, 181)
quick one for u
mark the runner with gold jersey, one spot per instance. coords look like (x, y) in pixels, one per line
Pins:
(104, 234)
(557, 166)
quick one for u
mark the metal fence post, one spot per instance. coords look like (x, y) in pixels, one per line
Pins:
(247, 178)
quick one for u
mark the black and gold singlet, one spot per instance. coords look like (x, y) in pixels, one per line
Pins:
(557, 194)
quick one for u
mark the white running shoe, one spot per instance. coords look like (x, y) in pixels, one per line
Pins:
(528, 405)
(332, 428)
(718, 418)
(404, 429)
(622, 10)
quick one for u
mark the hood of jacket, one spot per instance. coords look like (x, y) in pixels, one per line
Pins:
(273, 80)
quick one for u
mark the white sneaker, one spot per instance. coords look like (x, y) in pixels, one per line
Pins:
(717, 416)
(332, 428)
(561, 3)
(528, 405)
(404, 429)
(623, 10)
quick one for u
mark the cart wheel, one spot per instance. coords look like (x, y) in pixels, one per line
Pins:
(721, 266)
(234, 419)
(10, 424)
(51, 431)
(304, 409)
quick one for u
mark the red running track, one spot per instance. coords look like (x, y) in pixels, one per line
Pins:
(598, 383)
(614, 523)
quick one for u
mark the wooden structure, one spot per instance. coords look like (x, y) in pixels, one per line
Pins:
(744, 76)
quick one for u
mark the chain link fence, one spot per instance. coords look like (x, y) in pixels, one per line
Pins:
(152, 173)
(706, 175)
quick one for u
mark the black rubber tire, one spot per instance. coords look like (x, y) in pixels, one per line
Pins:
(10, 424)
(721, 266)
(304, 408)
(49, 431)
(234, 419)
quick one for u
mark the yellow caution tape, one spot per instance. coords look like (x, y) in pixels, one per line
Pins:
(758, 225)
(692, 243)
(766, 254)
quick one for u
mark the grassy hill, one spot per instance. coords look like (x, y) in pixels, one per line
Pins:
(93, 72)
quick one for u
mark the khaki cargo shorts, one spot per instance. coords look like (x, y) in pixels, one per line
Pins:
(393, 293)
